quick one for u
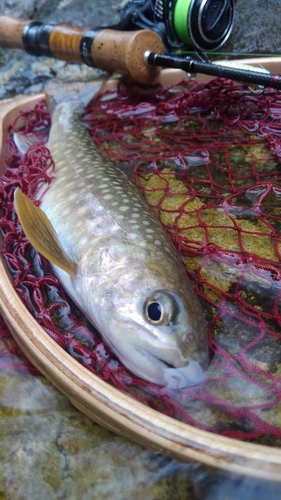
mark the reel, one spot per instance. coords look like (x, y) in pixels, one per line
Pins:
(182, 24)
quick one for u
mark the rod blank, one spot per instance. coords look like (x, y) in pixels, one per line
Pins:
(191, 65)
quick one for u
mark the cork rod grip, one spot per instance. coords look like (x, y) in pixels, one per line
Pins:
(107, 49)
(123, 51)
(11, 30)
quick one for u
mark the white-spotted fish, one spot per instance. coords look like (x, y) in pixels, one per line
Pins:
(113, 257)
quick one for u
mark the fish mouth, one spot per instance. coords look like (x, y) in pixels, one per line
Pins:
(189, 375)
(178, 377)
(161, 365)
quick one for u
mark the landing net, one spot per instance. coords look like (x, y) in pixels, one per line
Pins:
(207, 158)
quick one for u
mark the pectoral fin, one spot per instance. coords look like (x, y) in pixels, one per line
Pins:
(23, 143)
(40, 232)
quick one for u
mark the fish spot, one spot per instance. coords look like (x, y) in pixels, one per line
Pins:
(72, 196)
(133, 236)
(145, 222)
(82, 210)
(115, 227)
(83, 241)
(124, 208)
(97, 208)
(65, 212)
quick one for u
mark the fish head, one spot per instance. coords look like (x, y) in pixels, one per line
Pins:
(160, 341)
(152, 320)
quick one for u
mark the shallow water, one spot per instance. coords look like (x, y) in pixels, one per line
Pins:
(49, 450)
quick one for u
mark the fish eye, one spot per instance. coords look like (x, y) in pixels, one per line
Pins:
(154, 311)
(161, 308)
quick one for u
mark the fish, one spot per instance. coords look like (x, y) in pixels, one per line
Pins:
(112, 255)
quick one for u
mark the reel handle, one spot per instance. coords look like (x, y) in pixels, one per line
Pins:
(107, 49)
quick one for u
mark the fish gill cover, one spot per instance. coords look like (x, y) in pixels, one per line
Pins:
(207, 158)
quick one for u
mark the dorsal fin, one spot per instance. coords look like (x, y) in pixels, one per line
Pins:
(57, 91)
(40, 232)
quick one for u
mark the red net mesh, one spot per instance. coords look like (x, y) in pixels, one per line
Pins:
(207, 159)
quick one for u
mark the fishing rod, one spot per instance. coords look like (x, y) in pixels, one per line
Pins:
(239, 73)
(139, 54)
(107, 49)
